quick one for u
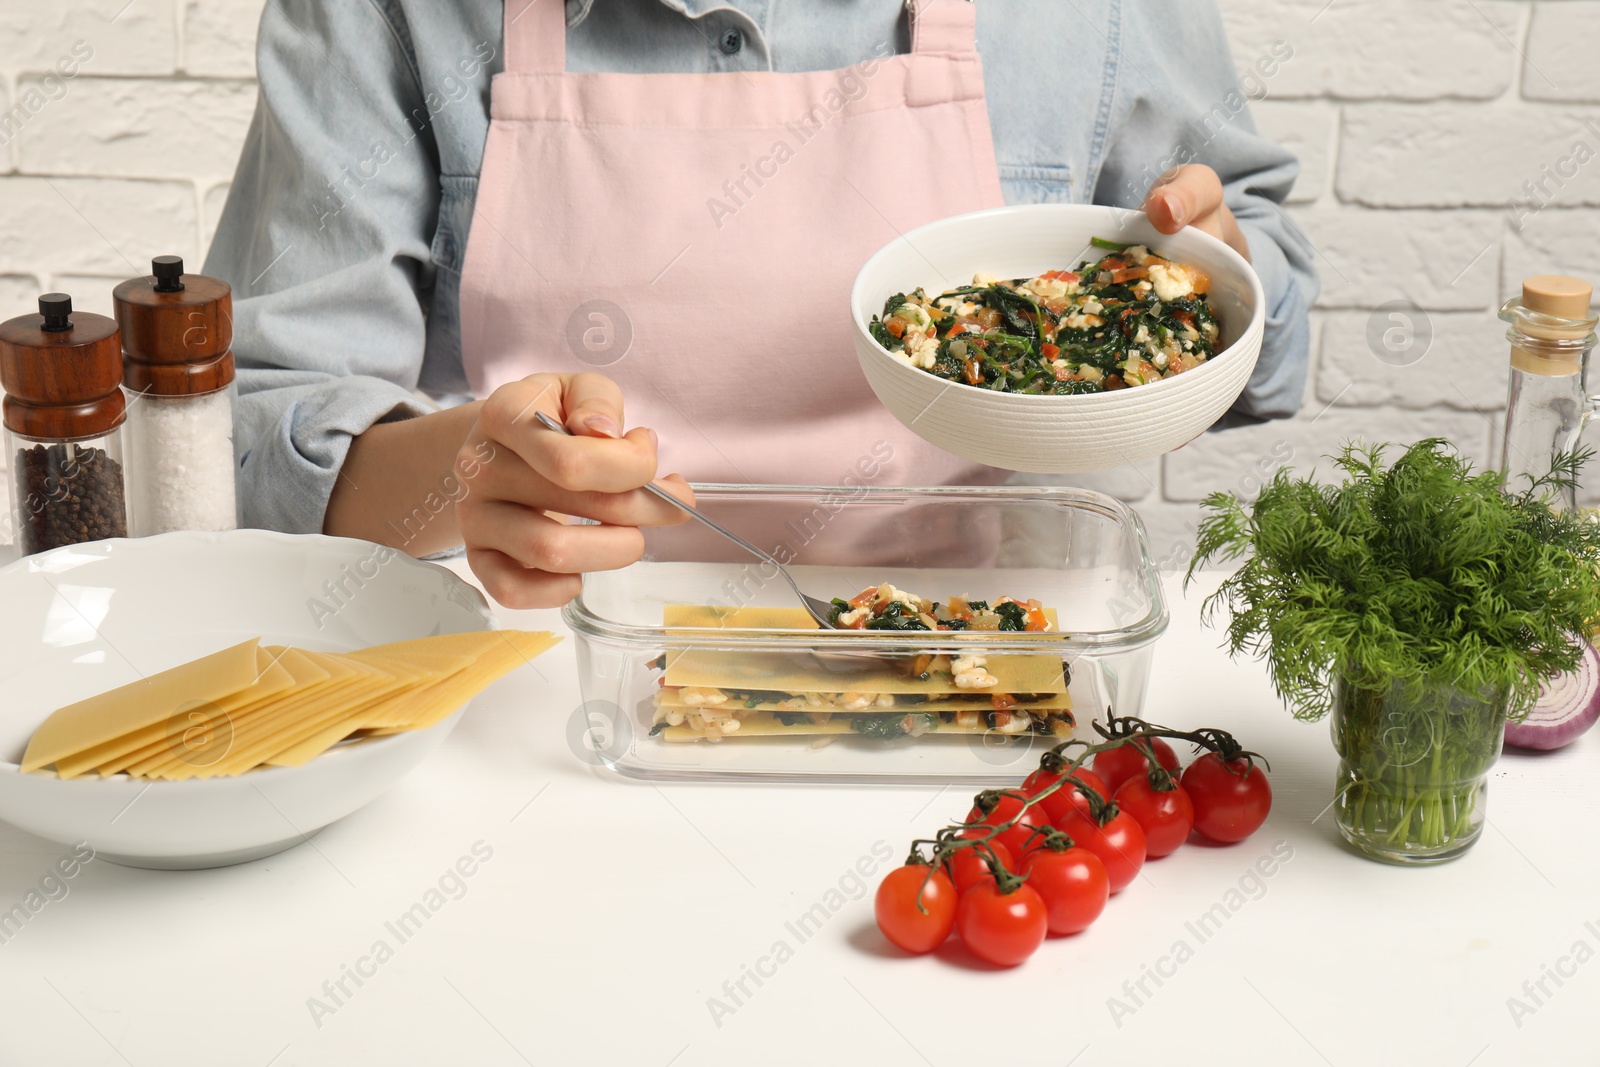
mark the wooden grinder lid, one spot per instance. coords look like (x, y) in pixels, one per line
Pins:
(177, 331)
(61, 371)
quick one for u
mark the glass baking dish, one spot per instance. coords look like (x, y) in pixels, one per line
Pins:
(1081, 553)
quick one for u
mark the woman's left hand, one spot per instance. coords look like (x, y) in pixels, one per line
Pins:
(1191, 195)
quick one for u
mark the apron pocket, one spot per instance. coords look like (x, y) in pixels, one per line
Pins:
(1036, 183)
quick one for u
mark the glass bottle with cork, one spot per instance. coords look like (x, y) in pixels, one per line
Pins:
(1551, 335)
(177, 338)
(64, 415)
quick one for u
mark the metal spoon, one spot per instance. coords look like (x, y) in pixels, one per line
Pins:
(817, 609)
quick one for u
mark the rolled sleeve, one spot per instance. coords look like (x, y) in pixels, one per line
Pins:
(325, 239)
(1278, 382)
(296, 429)
(1197, 112)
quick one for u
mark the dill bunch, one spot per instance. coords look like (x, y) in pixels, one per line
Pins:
(1422, 573)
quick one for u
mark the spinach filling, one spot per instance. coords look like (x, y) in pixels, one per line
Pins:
(1012, 616)
(889, 727)
(756, 697)
(895, 616)
(1027, 346)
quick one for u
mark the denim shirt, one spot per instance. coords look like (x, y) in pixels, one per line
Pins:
(347, 221)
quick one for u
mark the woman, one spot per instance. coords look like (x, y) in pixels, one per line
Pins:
(661, 204)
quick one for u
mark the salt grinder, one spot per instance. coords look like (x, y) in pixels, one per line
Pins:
(177, 338)
(64, 417)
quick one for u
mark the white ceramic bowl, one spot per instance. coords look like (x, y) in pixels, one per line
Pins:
(1054, 434)
(84, 619)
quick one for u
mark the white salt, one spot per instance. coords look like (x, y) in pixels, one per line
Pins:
(180, 463)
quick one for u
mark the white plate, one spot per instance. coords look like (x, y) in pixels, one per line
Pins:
(87, 618)
(1054, 434)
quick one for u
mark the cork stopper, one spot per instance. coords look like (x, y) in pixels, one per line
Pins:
(177, 331)
(1551, 325)
(1558, 296)
(61, 370)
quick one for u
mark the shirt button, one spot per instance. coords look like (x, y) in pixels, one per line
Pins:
(731, 42)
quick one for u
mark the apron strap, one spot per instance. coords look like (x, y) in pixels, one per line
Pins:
(536, 36)
(941, 27)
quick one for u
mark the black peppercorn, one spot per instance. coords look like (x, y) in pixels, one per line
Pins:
(68, 494)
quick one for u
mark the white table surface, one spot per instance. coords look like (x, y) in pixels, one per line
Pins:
(610, 911)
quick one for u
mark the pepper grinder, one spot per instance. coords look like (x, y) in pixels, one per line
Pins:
(63, 415)
(177, 337)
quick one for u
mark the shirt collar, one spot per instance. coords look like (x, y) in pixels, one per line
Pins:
(578, 10)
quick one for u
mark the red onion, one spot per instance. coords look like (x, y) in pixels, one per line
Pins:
(1568, 705)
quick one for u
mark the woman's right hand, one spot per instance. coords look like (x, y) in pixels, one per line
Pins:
(522, 480)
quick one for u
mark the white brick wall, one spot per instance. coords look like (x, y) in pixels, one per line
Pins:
(125, 121)
(1416, 120)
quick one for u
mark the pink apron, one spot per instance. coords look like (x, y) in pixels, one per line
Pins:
(695, 236)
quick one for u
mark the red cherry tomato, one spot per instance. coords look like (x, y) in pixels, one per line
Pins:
(969, 866)
(1119, 844)
(1036, 782)
(1165, 816)
(1230, 800)
(1002, 928)
(916, 909)
(1057, 804)
(1117, 765)
(1073, 885)
(1166, 754)
(1019, 836)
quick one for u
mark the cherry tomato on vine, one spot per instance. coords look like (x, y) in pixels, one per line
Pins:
(1073, 885)
(969, 866)
(1019, 836)
(1119, 844)
(1036, 782)
(1230, 800)
(1002, 928)
(1117, 765)
(1063, 800)
(915, 908)
(1165, 816)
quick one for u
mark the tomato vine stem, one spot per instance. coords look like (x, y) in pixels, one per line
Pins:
(1116, 731)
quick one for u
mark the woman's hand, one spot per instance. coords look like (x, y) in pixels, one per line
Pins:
(1191, 195)
(523, 479)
